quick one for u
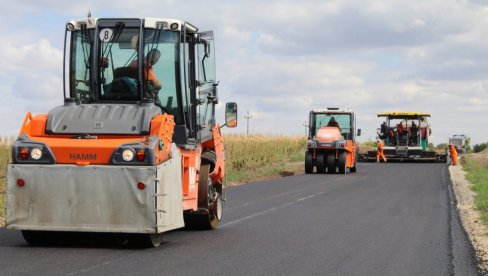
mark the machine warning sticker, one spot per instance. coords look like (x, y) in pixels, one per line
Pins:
(106, 35)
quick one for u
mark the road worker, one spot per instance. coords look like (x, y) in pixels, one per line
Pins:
(454, 154)
(401, 131)
(379, 151)
(151, 59)
(400, 128)
(413, 133)
(333, 122)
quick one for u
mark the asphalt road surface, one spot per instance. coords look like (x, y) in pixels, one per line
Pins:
(386, 219)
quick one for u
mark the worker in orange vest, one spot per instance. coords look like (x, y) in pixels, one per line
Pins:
(379, 151)
(454, 154)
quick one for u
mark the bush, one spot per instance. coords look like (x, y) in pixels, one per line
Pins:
(480, 147)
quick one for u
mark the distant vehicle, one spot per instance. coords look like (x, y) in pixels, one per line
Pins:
(459, 141)
(331, 145)
(406, 136)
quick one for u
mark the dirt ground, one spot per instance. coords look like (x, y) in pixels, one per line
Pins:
(468, 214)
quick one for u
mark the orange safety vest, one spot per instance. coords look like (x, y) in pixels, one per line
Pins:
(380, 146)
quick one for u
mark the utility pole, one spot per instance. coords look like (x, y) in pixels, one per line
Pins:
(306, 128)
(248, 117)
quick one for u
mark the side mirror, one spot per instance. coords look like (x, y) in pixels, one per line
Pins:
(359, 132)
(231, 114)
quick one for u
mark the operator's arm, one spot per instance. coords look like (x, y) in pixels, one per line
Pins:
(152, 80)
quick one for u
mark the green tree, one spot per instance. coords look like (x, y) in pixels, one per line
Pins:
(468, 144)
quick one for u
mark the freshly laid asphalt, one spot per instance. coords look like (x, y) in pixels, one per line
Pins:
(385, 219)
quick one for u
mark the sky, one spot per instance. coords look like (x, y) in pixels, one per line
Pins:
(279, 59)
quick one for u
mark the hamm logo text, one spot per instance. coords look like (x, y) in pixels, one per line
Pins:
(83, 156)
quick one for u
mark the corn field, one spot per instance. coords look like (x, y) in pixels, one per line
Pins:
(247, 155)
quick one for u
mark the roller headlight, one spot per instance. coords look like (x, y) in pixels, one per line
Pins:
(26, 151)
(340, 145)
(135, 154)
(36, 153)
(128, 155)
(311, 144)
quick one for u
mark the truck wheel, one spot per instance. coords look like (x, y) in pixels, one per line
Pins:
(210, 157)
(210, 204)
(320, 162)
(342, 162)
(331, 163)
(355, 165)
(308, 163)
(353, 169)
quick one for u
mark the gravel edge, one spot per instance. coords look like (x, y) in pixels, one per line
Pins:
(469, 216)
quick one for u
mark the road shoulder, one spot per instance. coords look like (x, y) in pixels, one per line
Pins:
(475, 230)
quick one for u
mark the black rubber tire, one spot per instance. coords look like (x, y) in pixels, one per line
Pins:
(331, 168)
(354, 168)
(209, 156)
(215, 210)
(355, 165)
(320, 162)
(308, 162)
(209, 212)
(341, 162)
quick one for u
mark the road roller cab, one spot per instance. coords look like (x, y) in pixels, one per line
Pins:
(135, 148)
(331, 145)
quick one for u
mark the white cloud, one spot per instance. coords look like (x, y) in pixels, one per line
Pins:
(279, 59)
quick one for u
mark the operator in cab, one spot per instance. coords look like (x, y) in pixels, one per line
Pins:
(154, 85)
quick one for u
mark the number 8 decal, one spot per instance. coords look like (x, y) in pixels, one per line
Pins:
(106, 35)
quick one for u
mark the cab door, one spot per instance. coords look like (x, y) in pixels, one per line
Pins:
(206, 85)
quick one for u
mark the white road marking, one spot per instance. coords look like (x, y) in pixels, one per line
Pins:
(270, 210)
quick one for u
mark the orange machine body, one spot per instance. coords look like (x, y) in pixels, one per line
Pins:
(124, 154)
(331, 147)
(98, 150)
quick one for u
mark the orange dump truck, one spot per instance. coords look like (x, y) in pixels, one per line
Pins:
(125, 154)
(331, 145)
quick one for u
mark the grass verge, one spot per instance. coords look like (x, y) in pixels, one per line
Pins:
(5, 144)
(477, 174)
